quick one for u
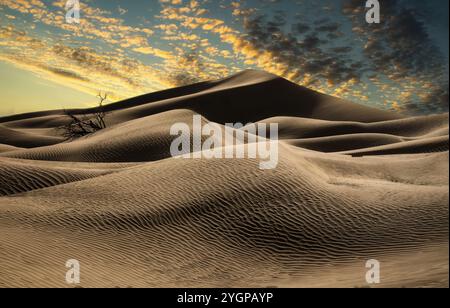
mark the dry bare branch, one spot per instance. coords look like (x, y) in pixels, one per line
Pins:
(83, 125)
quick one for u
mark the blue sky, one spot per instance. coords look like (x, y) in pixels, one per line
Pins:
(127, 48)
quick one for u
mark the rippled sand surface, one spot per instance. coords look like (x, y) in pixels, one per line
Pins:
(352, 184)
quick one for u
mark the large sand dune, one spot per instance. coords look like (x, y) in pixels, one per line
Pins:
(353, 183)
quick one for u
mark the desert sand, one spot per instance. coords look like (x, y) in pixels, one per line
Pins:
(353, 183)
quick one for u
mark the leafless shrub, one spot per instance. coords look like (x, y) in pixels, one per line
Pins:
(83, 125)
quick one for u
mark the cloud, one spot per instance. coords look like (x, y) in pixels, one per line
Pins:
(394, 64)
(400, 49)
(94, 24)
(82, 68)
(181, 75)
(305, 55)
(67, 74)
(266, 45)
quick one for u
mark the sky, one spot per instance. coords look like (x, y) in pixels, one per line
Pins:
(128, 48)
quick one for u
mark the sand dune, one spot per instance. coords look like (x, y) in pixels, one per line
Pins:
(352, 184)
(145, 139)
(6, 148)
(345, 142)
(18, 177)
(19, 138)
(425, 126)
(428, 145)
(229, 100)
